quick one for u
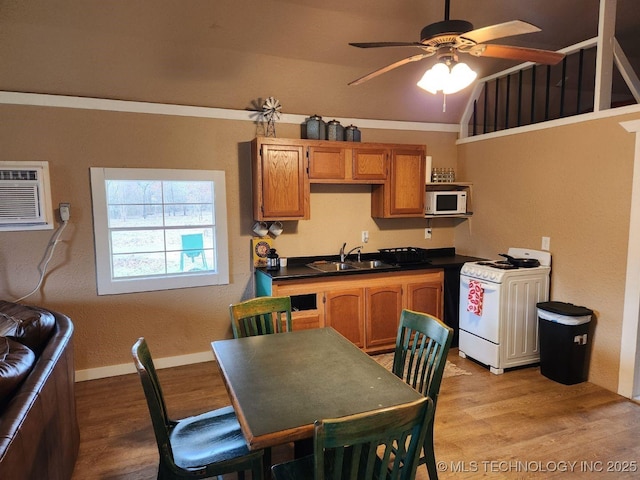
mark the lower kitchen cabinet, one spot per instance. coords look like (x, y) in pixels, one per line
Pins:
(384, 303)
(344, 311)
(364, 308)
(425, 297)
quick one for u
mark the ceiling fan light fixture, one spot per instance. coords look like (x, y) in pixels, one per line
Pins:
(440, 78)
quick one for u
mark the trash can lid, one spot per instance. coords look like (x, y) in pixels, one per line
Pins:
(568, 309)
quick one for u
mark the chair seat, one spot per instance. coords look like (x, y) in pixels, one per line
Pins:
(212, 437)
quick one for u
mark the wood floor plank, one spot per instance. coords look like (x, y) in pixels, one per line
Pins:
(519, 425)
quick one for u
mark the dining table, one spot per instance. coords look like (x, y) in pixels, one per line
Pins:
(280, 384)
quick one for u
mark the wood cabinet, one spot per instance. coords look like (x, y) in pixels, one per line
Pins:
(384, 304)
(341, 162)
(283, 169)
(307, 303)
(365, 308)
(344, 311)
(426, 295)
(403, 194)
(280, 183)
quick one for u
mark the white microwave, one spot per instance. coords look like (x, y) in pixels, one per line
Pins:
(449, 202)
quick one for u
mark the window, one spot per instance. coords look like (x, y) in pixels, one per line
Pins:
(159, 229)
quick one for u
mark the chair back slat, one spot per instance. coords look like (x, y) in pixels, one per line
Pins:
(261, 316)
(363, 446)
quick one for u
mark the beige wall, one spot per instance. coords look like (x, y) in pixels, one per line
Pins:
(183, 321)
(572, 184)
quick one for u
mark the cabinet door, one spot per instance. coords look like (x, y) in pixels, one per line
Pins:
(305, 320)
(403, 193)
(407, 182)
(344, 311)
(326, 162)
(370, 163)
(383, 308)
(285, 188)
(425, 297)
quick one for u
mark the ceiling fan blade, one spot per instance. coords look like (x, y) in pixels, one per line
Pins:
(545, 57)
(386, 44)
(390, 67)
(500, 30)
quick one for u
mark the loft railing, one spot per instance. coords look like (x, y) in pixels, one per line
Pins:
(530, 93)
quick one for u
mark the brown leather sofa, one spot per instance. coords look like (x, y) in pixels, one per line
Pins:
(39, 435)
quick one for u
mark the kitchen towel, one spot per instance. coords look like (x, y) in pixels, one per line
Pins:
(476, 297)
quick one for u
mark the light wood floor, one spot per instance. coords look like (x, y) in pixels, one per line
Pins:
(519, 425)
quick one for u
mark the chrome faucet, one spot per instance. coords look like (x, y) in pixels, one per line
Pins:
(343, 256)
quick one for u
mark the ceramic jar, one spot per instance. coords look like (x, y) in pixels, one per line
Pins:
(316, 129)
(335, 131)
(352, 134)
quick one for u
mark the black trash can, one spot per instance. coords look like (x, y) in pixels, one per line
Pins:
(564, 341)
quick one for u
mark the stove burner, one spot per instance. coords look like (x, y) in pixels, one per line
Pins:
(501, 264)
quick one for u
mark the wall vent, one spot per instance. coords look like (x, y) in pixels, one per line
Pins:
(25, 196)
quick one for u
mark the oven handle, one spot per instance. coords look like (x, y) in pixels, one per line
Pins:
(492, 287)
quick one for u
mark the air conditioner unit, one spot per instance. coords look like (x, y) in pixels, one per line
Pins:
(25, 196)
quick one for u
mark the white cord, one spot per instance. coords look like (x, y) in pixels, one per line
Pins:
(52, 246)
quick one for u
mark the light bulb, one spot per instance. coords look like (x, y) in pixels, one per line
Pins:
(439, 78)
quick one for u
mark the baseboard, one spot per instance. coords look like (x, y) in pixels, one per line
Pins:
(127, 368)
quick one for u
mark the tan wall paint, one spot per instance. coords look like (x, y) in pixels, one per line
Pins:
(183, 321)
(573, 184)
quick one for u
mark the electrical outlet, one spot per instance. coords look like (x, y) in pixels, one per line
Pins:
(546, 243)
(64, 212)
(365, 236)
(427, 233)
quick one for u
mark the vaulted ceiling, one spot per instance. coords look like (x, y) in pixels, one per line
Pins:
(230, 53)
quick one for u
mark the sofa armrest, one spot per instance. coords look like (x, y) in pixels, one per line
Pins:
(39, 433)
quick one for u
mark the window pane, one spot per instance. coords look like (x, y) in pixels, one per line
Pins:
(179, 214)
(138, 265)
(137, 241)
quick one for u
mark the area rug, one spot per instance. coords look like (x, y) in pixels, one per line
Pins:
(450, 369)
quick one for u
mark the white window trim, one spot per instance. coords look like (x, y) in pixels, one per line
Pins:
(106, 285)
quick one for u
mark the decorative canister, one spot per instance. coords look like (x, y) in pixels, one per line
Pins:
(335, 131)
(316, 128)
(352, 134)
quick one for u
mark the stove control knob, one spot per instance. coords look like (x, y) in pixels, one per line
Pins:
(493, 276)
(485, 274)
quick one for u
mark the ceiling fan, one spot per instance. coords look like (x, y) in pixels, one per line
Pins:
(448, 38)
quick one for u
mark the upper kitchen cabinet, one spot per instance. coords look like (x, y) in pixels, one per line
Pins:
(283, 170)
(280, 183)
(403, 194)
(347, 162)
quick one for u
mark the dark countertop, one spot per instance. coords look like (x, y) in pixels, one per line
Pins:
(442, 258)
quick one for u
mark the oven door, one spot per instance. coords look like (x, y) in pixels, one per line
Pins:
(487, 324)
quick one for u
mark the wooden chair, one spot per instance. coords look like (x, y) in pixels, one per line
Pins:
(201, 446)
(361, 446)
(260, 316)
(419, 359)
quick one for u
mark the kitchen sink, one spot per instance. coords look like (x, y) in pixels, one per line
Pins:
(328, 266)
(331, 266)
(370, 264)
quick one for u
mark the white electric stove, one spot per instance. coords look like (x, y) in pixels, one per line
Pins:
(498, 314)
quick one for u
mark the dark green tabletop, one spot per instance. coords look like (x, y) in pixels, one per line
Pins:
(280, 384)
